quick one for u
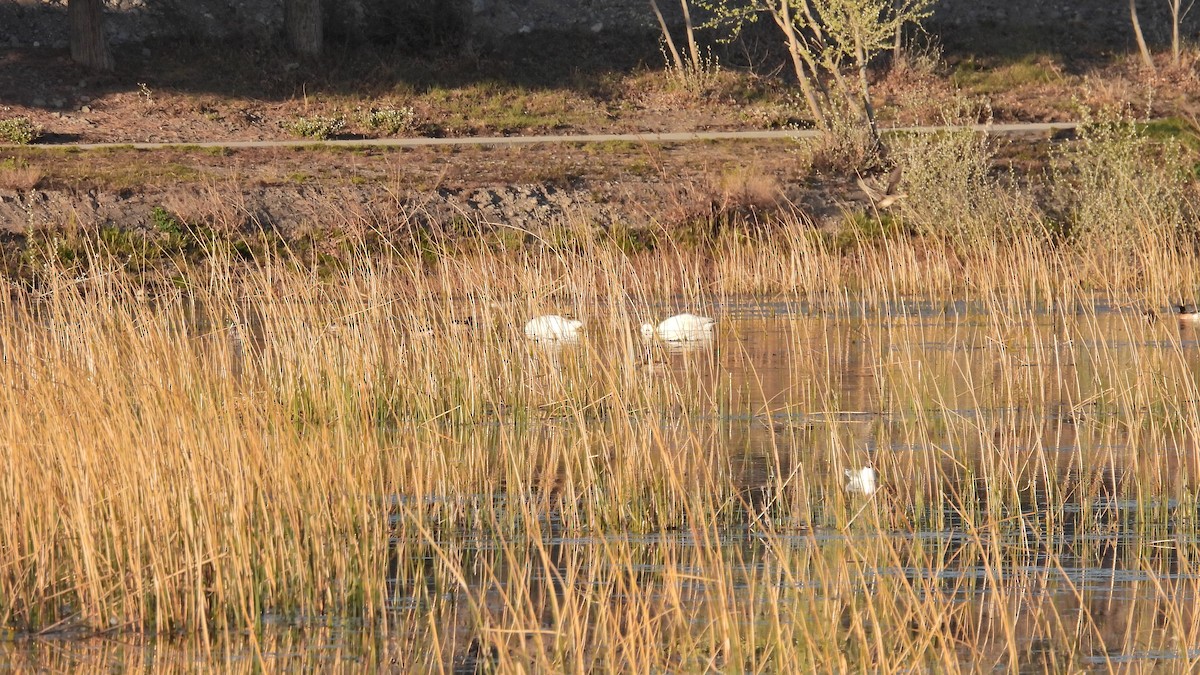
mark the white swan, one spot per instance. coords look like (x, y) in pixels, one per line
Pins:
(681, 328)
(553, 327)
(862, 481)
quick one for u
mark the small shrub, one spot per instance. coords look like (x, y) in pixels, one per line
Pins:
(19, 130)
(1117, 185)
(164, 221)
(317, 126)
(695, 78)
(845, 146)
(924, 57)
(952, 189)
(393, 121)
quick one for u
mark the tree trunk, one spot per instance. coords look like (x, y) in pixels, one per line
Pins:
(662, 23)
(89, 45)
(466, 13)
(896, 45)
(302, 22)
(691, 35)
(1141, 40)
(1175, 18)
(781, 13)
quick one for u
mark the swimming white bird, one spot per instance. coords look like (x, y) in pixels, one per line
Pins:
(681, 328)
(553, 327)
(862, 481)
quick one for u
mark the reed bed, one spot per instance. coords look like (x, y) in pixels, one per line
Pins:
(259, 448)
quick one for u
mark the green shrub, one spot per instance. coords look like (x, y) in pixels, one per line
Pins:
(316, 126)
(1118, 184)
(164, 221)
(951, 187)
(19, 130)
(846, 144)
(393, 121)
(951, 190)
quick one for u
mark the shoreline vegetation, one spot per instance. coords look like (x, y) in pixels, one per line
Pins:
(376, 442)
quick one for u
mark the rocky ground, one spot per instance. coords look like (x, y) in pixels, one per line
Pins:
(524, 188)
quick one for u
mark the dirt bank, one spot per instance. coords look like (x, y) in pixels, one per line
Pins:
(522, 188)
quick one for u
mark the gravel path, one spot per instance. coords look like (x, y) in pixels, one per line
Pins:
(669, 137)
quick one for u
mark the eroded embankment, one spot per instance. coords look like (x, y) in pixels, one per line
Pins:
(295, 190)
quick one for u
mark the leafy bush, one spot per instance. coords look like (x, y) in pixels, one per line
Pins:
(164, 221)
(317, 126)
(393, 121)
(19, 130)
(951, 190)
(1117, 184)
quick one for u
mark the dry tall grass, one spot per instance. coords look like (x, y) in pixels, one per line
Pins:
(383, 445)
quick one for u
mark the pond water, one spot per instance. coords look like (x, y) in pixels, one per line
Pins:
(1088, 558)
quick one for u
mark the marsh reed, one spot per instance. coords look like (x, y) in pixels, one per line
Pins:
(378, 449)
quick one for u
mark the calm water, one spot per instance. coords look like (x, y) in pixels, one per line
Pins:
(793, 385)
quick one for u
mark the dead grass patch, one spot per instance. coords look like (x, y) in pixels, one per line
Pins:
(748, 187)
(217, 205)
(19, 177)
